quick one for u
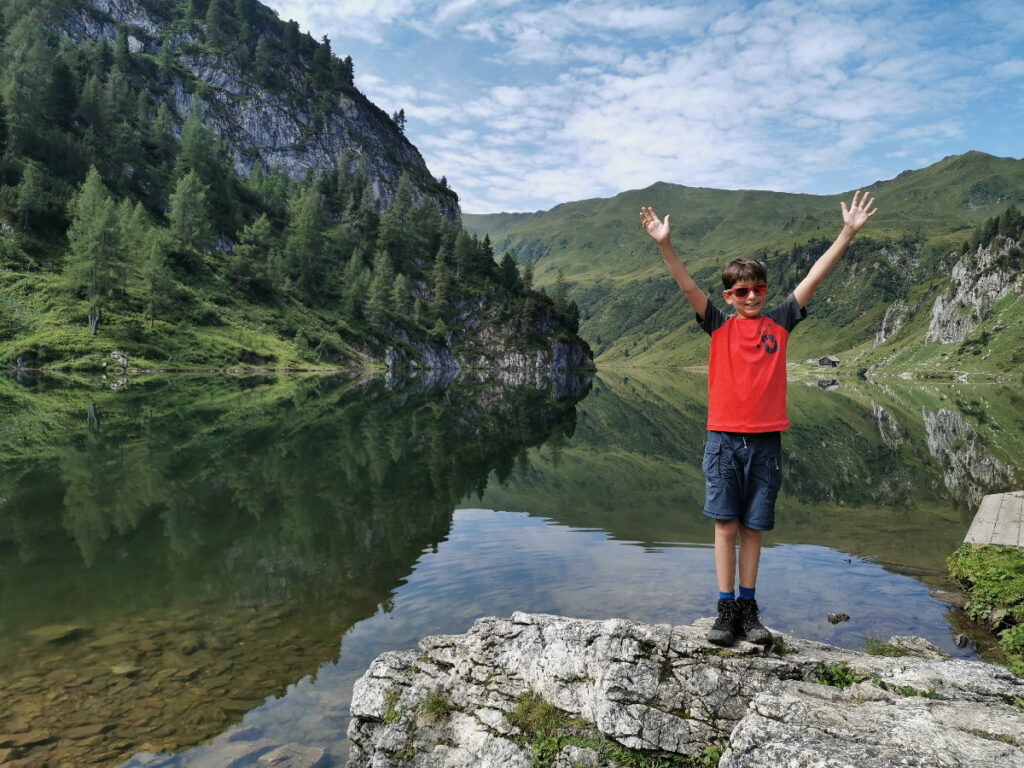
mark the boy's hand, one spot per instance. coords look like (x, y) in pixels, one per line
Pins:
(859, 212)
(654, 226)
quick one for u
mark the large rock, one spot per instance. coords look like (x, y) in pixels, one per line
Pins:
(978, 281)
(665, 691)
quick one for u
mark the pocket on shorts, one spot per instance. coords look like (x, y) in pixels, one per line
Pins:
(774, 467)
(712, 463)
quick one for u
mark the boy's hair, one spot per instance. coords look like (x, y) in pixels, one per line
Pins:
(743, 269)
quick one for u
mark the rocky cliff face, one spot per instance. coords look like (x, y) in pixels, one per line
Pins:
(263, 126)
(610, 693)
(969, 470)
(978, 281)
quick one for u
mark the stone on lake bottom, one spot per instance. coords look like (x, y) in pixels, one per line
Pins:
(293, 756)
(60, 633)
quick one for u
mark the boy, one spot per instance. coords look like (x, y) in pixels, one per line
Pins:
(747, 409)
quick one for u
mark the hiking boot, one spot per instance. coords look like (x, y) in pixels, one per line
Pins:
(726, 625)
(748, 623)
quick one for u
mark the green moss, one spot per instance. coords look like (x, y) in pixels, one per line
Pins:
(838, 675)
(436, 706)
(391, 713)
(994, 578)
(876, 647)
(547, 730)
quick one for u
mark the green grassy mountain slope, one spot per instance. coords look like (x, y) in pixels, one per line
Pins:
(632, 311)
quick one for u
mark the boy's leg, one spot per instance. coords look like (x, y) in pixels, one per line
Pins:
(750, 556)
(725, 554)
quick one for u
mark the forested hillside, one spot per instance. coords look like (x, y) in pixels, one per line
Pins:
(198, 184)
(940, 230)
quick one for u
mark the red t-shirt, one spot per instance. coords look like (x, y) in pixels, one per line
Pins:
(747, 371)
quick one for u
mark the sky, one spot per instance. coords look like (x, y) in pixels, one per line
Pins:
(525, 105)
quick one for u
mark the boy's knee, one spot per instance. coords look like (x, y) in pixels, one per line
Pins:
(727, 527)
(750, 533)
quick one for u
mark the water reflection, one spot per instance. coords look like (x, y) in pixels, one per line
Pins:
(174, 552)
(178, 556)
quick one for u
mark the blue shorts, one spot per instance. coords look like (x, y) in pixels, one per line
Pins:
(743, 474)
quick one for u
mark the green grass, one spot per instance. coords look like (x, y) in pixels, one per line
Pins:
(994, 578)
(547, 730)
(837, 675)
(875, 647)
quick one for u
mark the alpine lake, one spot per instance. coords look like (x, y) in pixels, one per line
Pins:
(183, 557)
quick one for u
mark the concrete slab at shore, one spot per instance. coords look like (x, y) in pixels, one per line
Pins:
(1000, 520)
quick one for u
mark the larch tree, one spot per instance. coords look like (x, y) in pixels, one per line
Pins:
(95, 257)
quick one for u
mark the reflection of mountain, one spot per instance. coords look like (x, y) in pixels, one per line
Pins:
(217, 539)
(858, 472)
(970, 472)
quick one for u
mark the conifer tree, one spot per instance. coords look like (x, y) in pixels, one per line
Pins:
(250, 267)
(95, 254)
(30, 199)
(189, 217)
(304, 243)
(3, 126)
(528, 276)
(381, 284)
(355, 273)
(156, 275)
(217, 22)
(400, 296)
(508, 273)
(561, 294)
(135, 227)
(263, 62)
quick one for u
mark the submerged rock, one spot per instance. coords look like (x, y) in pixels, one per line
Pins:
(587, 691)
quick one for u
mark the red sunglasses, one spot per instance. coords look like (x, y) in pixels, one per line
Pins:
(741, 292)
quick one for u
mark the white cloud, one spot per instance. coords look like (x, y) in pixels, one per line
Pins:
(594, 96)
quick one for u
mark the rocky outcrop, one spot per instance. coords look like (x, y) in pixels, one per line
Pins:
(588, 693)
(895, 316)
(263, 126)
(978, 281)
(970, 471)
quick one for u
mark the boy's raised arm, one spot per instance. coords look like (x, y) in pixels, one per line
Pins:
(854, 219)
(659, 230)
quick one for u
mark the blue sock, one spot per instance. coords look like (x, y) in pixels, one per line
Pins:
(726, 596)
(747, 593)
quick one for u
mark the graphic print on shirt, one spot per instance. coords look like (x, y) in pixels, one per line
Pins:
(747, 368)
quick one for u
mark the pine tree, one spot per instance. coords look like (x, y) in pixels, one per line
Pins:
(304, 243)
(400, 296)
(528, 276)
(355, 275)
(263, 62)
(251, 265)
(30, 198)
(135, 228)
(561, 295)
(508, 273)
(3, 126)
(189, 217)
(380, 287)
(156, 275)
(95, 257)
(217, 22)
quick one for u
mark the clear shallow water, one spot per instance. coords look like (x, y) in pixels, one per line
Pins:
(249, 547)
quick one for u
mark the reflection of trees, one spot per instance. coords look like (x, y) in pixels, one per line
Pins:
(260, 492)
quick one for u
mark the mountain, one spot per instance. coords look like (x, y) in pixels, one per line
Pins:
(200, 185)
(631, 309)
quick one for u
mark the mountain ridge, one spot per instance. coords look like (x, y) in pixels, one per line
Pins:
(629, 304)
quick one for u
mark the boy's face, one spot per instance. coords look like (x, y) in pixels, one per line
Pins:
(751, 304)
